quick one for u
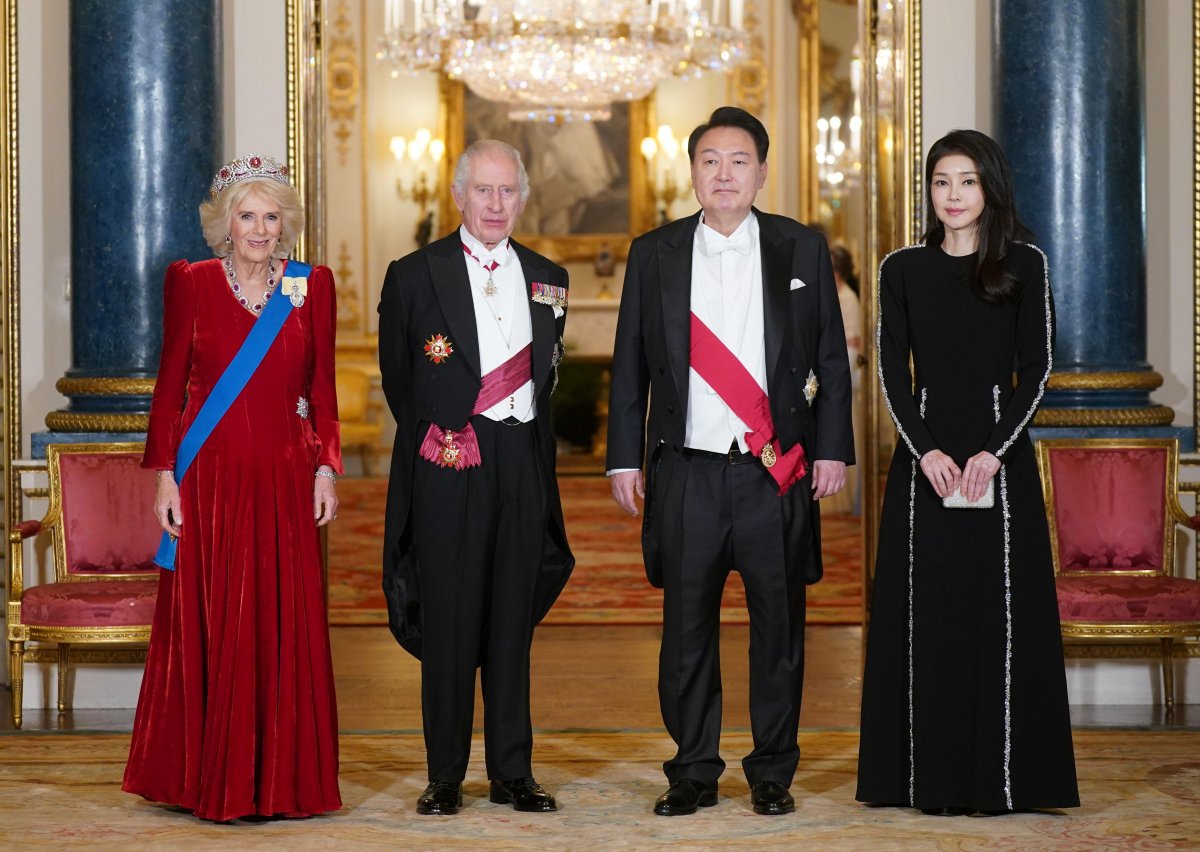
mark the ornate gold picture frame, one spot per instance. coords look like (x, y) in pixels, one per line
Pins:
(601, 154)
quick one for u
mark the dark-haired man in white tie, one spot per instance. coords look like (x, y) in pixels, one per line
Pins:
(731, 333)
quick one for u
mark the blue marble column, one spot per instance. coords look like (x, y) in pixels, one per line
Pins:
(1069, 100)
(146, 134)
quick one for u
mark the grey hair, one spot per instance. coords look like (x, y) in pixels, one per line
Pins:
(488, 146)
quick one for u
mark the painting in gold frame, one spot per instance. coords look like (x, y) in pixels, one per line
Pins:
(602, 200)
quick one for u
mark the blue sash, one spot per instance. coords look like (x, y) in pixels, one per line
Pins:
(237, 374)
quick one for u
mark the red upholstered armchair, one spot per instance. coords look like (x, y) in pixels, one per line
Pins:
(1113, 506)
(103, 538)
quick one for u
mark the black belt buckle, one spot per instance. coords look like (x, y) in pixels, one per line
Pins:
(736, 456)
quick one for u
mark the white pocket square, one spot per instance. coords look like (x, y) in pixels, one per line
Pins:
(558, 312)
(796, 284)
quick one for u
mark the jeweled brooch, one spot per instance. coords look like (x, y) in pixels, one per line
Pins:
(811, 387)
(448, 456)
(438, 349)
(302, 407)
(296, 289)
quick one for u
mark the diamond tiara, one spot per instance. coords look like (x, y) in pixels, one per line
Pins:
(253, 166)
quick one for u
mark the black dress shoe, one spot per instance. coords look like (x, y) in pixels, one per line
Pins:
(947, 811)
(524, 794)
(440, 797)
(771, 798)
(683, 797)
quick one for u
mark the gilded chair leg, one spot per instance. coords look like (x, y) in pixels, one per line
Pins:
(1168, 667)
(16, 651)
(64, 661)
(368, 460)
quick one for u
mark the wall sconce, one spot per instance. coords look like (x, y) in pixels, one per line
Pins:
(417, 159)
(668, 173)
(839, 160)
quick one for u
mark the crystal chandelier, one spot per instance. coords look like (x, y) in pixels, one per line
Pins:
(559, 60)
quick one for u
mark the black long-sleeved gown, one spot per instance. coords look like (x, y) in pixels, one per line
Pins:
(964, 696)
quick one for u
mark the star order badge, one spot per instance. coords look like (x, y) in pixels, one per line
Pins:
(448, 456)
(811, 386)
(438, 348)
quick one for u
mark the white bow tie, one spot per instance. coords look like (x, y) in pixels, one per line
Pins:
(716, 244)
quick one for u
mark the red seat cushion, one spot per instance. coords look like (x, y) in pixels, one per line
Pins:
(1126, 598)
(103, 603)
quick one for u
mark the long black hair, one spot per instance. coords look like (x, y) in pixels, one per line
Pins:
(843, 265)
(998, 225)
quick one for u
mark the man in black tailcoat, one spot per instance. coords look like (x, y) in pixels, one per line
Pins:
(731, 333)
(475, 553)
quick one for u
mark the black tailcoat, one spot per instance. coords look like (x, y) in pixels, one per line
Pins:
(428, 293)
(803, 332)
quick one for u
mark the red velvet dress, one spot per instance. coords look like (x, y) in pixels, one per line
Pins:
(237, 714)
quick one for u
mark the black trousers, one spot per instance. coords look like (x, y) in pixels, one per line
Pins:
(478, 537)
(715, 517)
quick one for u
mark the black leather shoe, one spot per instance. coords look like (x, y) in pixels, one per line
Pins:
(524, 794)
(771, 798)
(683, 797)
(947, 811)
(440, 797)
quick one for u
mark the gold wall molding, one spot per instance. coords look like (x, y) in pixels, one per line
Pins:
(1152, 415)
(358, 350)
(104, 386)
(343, 81)
(1196, 223)
(10, 263)
(1099, 380)
(808, 104)
(750, 78)
(893, 185)
(82, 421)
(305, 103)
(349, 305)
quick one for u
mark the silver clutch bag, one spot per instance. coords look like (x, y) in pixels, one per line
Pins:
(957, 501)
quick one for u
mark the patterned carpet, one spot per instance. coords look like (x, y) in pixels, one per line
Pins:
(609, 584)
(1140, 790)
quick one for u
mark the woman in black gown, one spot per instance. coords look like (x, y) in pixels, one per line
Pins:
(964, 695)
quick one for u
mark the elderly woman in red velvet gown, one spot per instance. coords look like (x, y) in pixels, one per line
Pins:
(237, 715)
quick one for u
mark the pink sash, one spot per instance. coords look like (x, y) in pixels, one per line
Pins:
(461, 449)
(713, 361)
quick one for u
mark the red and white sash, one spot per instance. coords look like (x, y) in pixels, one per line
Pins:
(728, 376)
